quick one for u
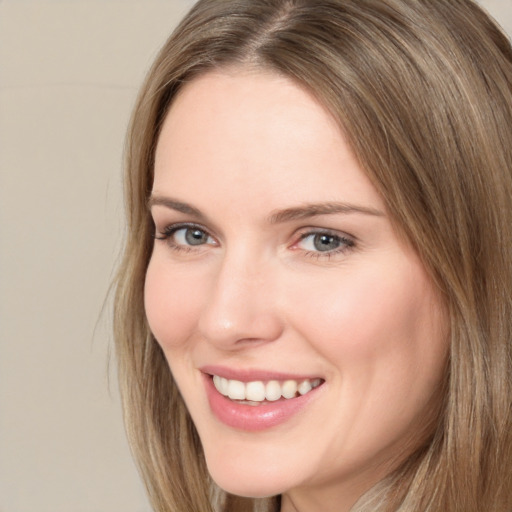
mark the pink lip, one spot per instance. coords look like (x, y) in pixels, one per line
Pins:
(254, 418)
(249, 375)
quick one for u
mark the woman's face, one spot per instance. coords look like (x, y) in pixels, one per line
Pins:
(275, 272)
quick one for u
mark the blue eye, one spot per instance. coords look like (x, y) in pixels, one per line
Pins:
(324, 242)
(185, 237)
(191, 236)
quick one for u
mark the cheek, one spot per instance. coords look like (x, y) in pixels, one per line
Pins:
(172, 303)
(377, 327)
(383, 339)
(353, 314)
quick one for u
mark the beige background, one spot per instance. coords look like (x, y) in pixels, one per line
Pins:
(69, 72)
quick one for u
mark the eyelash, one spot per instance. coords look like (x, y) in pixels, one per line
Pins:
(169, 231)
(346, 242)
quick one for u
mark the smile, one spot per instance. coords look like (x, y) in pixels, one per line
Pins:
(257, 392)
(258, 400)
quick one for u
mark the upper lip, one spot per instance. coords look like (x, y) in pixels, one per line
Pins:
(253, 374)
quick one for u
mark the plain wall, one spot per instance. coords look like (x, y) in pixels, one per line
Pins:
(69, 72)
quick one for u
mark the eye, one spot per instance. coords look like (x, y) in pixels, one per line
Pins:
(324, 242)
(185, 237)
(191, 236)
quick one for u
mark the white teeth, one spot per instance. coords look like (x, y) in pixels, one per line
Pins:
(224, 385)
(273, 391)
(221, 384)
(304, 387)
(289, 389)
(315, 383)
(258, 391)
(255, 391)
(236, 390)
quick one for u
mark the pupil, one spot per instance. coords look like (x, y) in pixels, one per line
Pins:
(325, 242)
(195, 237)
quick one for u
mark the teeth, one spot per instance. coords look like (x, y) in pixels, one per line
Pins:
(273, 391)
(224, 385)
(255, 391)
(304, 387)
(258, 391)
(236, 390)
(289, 389)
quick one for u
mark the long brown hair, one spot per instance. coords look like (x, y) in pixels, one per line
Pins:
(422, 90)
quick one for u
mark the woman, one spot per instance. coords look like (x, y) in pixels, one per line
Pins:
(314, 308)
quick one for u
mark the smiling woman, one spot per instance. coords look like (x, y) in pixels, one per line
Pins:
(314, 309)
(326, 306)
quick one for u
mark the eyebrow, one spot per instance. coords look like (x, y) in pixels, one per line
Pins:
(278, 216)
(314, 209)
(173, 204)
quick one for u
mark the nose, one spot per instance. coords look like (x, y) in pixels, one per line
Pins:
(242, 304)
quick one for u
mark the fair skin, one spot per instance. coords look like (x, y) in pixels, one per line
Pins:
(259, 282)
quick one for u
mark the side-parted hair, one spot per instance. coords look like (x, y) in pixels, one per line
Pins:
(422, 90)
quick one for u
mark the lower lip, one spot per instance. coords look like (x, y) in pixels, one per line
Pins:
(257, 417)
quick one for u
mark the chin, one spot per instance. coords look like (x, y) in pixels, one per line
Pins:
(251, 482)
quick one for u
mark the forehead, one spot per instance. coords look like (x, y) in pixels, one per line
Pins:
(239, 105)
(257, 131)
